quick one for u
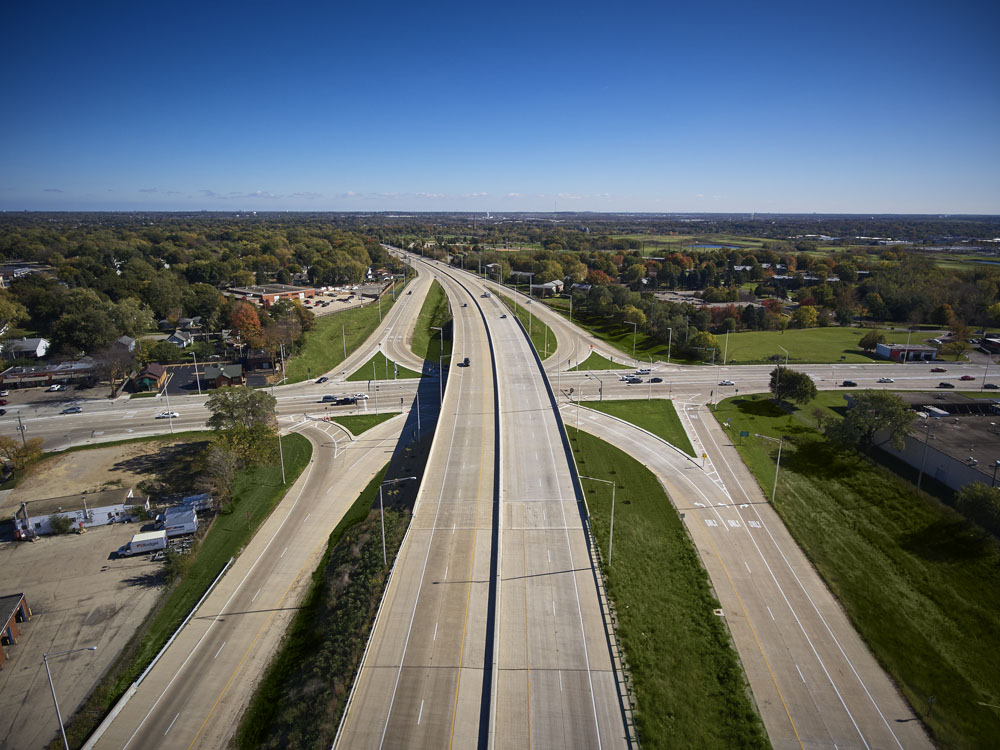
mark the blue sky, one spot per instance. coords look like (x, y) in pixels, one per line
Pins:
(769, 106)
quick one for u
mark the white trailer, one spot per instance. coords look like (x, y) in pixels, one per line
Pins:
(151, 541)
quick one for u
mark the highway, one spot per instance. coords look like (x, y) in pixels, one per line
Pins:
(814, 680)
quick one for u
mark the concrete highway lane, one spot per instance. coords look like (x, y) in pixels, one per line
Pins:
(421, 684)
(815, 682)
(555, 683)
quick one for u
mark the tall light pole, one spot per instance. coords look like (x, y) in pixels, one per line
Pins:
(611, 537)
(725, 356)
(381, 512)
(440, 371)
(923, 456)
(45, 660)
(635, 332)
(166, 395)
(777, 465)
(670, 340)
(985, 374)
(996, 465)
(196, 378)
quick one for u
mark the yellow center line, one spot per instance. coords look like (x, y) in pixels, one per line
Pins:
(753, 631)
(472, 562)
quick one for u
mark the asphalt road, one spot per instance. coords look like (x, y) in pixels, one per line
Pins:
(814, 680)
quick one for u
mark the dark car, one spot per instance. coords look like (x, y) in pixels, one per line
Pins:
(656, 380)
(2, 412)
(945, 384)
(3, 402)
(323, 379)
(848, 384)
(964, 377)
(465, 362)
(938, 369)
(991, 386)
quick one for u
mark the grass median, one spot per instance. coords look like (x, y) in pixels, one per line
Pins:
(256, 492)
(921, 584)
(690, 690)
(380, 367)
(435, 311)
(659, 417)
(360, 423)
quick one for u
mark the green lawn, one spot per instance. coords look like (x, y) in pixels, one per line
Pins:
(613, 332)
(380, 367)
(323, 347)
(921, 584)
(256, 492)
(542, 337)
(659, 417)
(359, 423)
(434, 312)
(807, 345)
(689, 687)
(596, 362)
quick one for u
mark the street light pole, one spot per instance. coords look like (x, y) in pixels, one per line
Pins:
(670, 340)
(611, 536)
(381, 512)
(166, 395)
(996, 465)
(635, 331)
(923, 456)
(440, 371)
(777, 465)
(45, 660)
(196, 378)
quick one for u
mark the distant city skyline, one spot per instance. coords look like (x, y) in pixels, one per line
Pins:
(856, 107)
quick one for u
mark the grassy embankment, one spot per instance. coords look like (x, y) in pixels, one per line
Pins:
(808, 345)
(435, 311)
(613, 332)
(920, 583)
(380, 367)
(542, 337)
(690, 690)
(659, 417)
(596, 362)
(360, 423)
(323, 347)
(256, 492)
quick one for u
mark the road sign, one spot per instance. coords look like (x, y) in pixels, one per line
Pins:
(744, 433)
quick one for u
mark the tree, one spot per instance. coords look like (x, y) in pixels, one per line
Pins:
(633, 314)
(87, 331)
(12, 312)
(805, 317)
(113, 364)
(792, 385)
(873, 412)
(131, 317)
(240, 406)
(20, 454)
(871, 340)
(245, 321)
(956, 347)
(980, 504)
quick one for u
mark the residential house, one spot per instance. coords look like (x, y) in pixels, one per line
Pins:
(217, 376)
(151, 377)
(126, 343)
(180, 338)
(25, 348)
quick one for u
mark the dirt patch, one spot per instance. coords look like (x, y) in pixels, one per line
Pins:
(105, 468)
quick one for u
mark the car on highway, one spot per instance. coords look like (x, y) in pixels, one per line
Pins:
(656, 380)
(886, 380)
(409, 291)
(486, 295)
(939, 369)
(991, 386)
(2, 412)
(848, 384)
(465, 304)
(54, 387)
(632, 379)
(945, 384)
(4, 394)
(502, 317)
(167, 415)
(322, 379)
(72, 410)
(361, 396)
(964, 377)
(726, 382)
(3, 402)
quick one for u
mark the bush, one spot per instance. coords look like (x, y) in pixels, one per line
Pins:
(981, 505)
(60, 524)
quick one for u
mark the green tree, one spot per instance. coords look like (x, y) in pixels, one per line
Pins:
(805, 317)
(792, 385)
(240, 406)
(86, 331)
(633, 314)
(980, 504)
(131, 317)
(12, 312)
(872, 412)
(955, 347)
(871, 340)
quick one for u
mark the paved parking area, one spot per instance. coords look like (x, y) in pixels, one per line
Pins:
(79, 597)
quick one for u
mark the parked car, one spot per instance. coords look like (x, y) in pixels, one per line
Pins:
(848, 384)
(4, 394)
(167, 415)
(72, 410)
(964, 377)
(938, 369)
(886, 380)
(726, 382)
(945, 384)
(656, 380)
(323, 379)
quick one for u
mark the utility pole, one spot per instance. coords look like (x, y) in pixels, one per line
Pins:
(20, 427)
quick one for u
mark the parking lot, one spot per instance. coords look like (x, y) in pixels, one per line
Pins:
(79, 597)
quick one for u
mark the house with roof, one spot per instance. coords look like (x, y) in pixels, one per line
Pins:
(15, 611)
(151, 377)
(180, 338)
(218, 376)
(25, 348)
(125, 343)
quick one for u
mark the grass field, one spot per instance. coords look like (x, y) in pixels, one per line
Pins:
(921, 584)
(323, 347)
(542, 337)
(807, 345)
(614, 333)
(659, 417)
(434, 312)
(689, 686)
(380, 367)
(360, 423)
(596, 362)
(255, 491)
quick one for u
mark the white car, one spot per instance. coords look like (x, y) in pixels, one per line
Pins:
(361, 396)
(54, 387)
(726, 382)
(886, 380)
(167, 415)
(4, 394)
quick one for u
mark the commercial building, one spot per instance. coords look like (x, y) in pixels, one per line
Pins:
(33, 518)
(267, 294)
(904, 353)
(79, 371)
(217, 376)
(151, 377)
(13, 610)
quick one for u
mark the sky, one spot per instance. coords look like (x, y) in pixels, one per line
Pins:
(840, 107)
